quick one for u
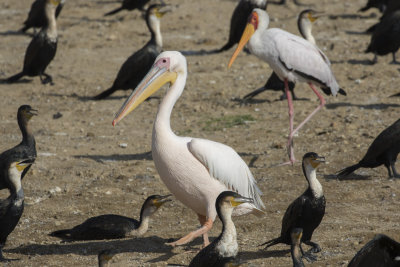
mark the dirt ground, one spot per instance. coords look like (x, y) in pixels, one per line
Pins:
(84, 170)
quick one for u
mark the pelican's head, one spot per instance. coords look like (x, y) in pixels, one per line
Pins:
(166, 68)
(258, 19)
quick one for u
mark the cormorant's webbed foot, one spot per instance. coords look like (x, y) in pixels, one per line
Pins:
(47, 79)
(315, 247)
(308, 256)
(394, 61)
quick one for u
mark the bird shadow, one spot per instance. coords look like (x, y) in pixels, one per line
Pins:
(252, 255)
(243, 102)
(201, 52)
(365, 62)
(152, 244)
(352, 176)
(117, 157)
(378, 106)
(352, 16)
(8, 33)
(20, 81)
(357, 33)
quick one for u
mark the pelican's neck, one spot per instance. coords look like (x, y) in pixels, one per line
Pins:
(227, 245)
(305, 29)
(51, 29)
(162, 122)
(315, 185)
(153, 23)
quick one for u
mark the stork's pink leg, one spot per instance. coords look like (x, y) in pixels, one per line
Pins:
(321, 104)
(206, 226)
(291, 119)
(203, 221)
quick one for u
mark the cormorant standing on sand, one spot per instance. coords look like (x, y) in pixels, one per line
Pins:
(383, 150)
(306, 211)
(137, 65)
(24, 150)
(42, 49)
(224, 248)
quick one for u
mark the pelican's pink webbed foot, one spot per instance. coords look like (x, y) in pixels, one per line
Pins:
(206, 226)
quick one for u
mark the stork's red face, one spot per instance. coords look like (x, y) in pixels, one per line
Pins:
(251, 27)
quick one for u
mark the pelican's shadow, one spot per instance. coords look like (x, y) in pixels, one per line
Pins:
(378, 106)
(117, 157)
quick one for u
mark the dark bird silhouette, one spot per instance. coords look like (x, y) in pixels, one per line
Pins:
(306, 211)
(239, 20)
(224, 248)
(11, 208)
(24, 150)
(129, 5)
(42, 49)
(112, 226)
(382, 251)
(137, 65)
(295, 249)
(37, 16)
(386, 37)
(379, 4)
(383, 151)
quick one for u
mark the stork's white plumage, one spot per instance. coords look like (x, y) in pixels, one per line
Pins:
(195, 170)
(292, 58)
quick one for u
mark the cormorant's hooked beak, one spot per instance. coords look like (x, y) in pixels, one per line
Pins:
(236, 201)
(163, 10)
(154, 80)
(247, 33)
(158, 202)
(313, 16)
(33, 112)
(316, 161)
(21, 165)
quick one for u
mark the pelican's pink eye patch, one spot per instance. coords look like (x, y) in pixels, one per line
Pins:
(163, 62)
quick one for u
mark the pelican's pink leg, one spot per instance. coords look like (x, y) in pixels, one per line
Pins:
(206, 226)
(291, 119)
(203, 221)
(321, 104)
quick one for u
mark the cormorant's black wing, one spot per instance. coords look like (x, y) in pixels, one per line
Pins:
(209, 257)
(387, 139)
(291, 217)
(379, 252)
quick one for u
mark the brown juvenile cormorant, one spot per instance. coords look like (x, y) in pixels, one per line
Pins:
(24, 150)
(383, 150)
(306, 211)
(225, 247)
(42, 49)
(137, 65)
(129, 5)
(12, 207)
(385, 38)
(105, 256)
(295, 249)
(304, 24)
(111, 226)
(37, 17)
(382, 251)
(239, 20)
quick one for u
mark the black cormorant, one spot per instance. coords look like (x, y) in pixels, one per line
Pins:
(295, 249)
(382, 251)
(24, 150)
(129, 5)
(112, 226)
(37, 17)
(306, 211)
(383, 150)
(385, 38)
(12, 207)
(42, 49)
(239, 20)
(137, 65)
(105, 256)
(224, 248)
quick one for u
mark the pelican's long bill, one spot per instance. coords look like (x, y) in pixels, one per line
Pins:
(247, 33)
(154, 80)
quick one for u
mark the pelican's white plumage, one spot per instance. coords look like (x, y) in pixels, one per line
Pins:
(292, 58)
(195, 170)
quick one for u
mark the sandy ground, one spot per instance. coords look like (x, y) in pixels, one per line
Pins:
(82, 170)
